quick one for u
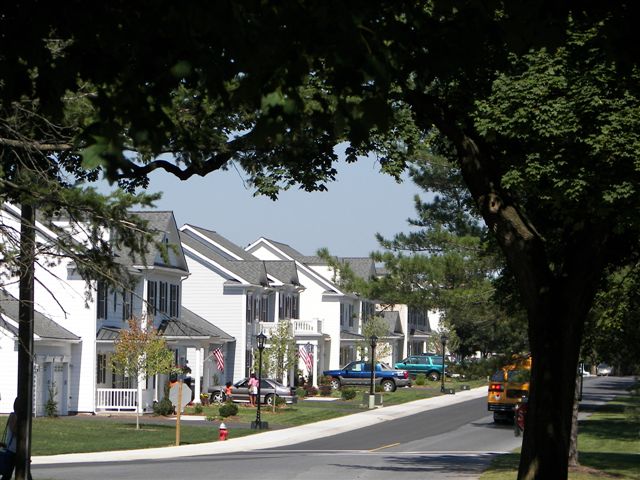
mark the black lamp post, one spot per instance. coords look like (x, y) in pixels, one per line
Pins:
(261, 339)
(443, 339)
(374, 342)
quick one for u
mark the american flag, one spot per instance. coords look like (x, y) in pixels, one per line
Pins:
(217, 354)
(305, 355)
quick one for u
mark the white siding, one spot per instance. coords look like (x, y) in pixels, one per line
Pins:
(8, 379)
(205, 294)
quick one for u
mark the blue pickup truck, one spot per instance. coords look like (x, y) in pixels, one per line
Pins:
(359, 373)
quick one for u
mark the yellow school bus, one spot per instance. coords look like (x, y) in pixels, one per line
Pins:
(507, 387)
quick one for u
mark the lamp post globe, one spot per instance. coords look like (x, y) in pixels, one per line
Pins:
(443, 339)
(373, 343)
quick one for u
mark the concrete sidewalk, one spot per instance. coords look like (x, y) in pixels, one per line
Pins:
(271, 438)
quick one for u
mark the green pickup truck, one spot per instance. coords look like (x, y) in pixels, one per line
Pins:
(430, 365)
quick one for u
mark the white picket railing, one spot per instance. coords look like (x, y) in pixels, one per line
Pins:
(299, 327)
(116, 399)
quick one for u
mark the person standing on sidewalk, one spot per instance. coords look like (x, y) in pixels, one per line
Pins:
(253, 389)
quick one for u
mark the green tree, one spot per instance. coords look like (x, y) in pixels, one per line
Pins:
(279, 357)
(612, 333)
(375, 325)
(140, 351)
(449, 263)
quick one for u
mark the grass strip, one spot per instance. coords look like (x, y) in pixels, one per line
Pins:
(608, 445)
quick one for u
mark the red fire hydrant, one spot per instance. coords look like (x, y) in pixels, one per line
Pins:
(223, 432)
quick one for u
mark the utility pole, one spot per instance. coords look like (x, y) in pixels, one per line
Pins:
(25, 342)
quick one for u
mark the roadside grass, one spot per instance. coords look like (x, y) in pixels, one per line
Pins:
(53, 436)
(608, 445)
(82, 434)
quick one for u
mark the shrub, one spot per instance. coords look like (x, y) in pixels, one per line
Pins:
(379, 388)
(324, 380)
(164, 407)
(51, 407)
(421, 379)
(325, 390)
(280, 402)
(301, 392)
(229, 409)
(311, 390)
(348, 393)
(197, 409)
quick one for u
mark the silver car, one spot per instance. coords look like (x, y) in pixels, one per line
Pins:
(269, 389)
(603, 370)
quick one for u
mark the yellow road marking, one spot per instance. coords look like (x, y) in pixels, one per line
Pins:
(384, 446)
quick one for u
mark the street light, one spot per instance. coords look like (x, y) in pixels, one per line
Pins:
(443, 339)
(261, 339)
(374, 342)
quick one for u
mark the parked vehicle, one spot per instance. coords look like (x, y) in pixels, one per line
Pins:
(520, 415)
(583, 371)
(604, 370)
(428, 364)
(359, 373)
(507, 388)
(269, 390)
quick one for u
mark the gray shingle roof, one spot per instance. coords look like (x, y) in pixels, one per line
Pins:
(188, 325)
(158, 224)
(223, 242)
(249, 269)
(43, 326)
(283, 270)
(288, 250)
(191, 324)
(362, 267)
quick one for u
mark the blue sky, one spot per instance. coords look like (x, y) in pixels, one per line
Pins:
(344, 219)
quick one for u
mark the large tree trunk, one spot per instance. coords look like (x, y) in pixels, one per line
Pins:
(573, 445)
(557, 284)
(555, 344)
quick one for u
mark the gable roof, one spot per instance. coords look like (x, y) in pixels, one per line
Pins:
(43, 326)
(211, 239)
(160, 224)
(189, 325)
(248, 269)
(292, 254)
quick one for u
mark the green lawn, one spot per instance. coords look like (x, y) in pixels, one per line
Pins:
(608, 445)
(100, 433)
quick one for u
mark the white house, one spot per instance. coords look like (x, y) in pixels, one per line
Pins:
(244, 295)
(75, 339)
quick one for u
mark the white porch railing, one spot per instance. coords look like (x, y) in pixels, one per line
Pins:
(300, 327)
(116, 399)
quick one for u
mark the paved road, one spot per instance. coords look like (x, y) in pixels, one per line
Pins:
(456, 441)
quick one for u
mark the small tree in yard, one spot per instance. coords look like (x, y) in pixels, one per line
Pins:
(280, 354)
(141, 350)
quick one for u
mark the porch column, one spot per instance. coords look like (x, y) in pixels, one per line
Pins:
(198, 374)
(314, 358)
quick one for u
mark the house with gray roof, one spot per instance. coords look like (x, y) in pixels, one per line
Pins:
(340, 313)
(240, 293)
